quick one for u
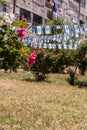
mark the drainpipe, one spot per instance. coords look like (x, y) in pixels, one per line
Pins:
(79, 8)
(14, 5)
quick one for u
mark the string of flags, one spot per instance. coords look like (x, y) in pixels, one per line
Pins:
(45, 39)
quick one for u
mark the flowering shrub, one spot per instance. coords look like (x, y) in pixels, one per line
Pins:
(43, 64)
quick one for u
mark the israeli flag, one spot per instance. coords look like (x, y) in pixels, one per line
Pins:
(47, 30)
(36, 45)
(77, 35)
(64, 44)
(50, 46)
(51, 38)
(54, 46)
(68, 36)
(57, 38)
(66, 29)
(45, 38)
(54, 37)
(74, 44)
(70, 44)
(34, 40)
(40, 45)
(85, 27)
(60, 46)
(65, 37)
(72, 34)
(60, 38)
(76, 29)
(41, 40)
(79, 42)
(29, 29)
(48, 38)
(82, 31)
(27, 40)
(39, 30)
(44, 45)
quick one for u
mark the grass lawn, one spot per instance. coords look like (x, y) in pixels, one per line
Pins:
(29, 105)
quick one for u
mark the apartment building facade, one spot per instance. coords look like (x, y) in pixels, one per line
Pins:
(75, 9)
(35, 11)
(38, 11)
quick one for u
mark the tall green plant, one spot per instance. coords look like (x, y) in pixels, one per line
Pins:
(81, 57)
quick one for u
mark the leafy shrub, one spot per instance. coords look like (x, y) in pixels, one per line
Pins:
(43, 65)
(81, 57)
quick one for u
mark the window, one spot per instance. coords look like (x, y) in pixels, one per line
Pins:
(82, 2)
(2, 7)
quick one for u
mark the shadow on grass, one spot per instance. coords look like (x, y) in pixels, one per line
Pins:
(82, 84)
(28, 80)
(35, 80)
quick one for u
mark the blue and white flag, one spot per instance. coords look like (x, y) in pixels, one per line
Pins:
(60, 46)
(27, 40)
(65, 37)
(50, 45)
(66, 29)
(45, 38)
(76, 29)
(29, 29)
(36, 45)
(60, 38)
(40, 40)
(77, 35)
(44, 45)
(57, 38)
(40, 45)
(82, 32)
(71, 34)
(39, 30)
(47, 30)
(75, 44)
(85, 27)
(64, 44)
(54, 37)
(70, 44)
(54, 46)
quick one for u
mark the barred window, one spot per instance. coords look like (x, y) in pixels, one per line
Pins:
(82, 2)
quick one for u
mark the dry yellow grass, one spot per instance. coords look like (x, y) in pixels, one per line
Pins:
(30, 105)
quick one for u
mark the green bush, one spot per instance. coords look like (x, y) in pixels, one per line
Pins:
(81, 58)
(43, 65)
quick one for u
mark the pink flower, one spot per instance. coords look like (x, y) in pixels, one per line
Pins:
(32, 58)
(21, 32)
